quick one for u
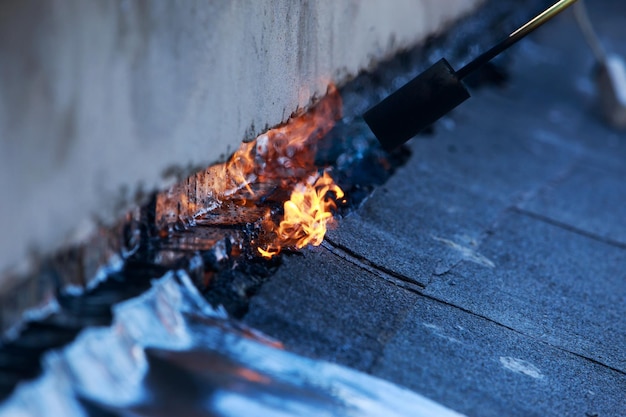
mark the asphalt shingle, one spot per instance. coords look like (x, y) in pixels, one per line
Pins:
(590, 199)
(322, 306)
(549, 283)
(404, 224)
(482, 369)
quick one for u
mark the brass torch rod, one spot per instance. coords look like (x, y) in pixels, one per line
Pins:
(514, 37)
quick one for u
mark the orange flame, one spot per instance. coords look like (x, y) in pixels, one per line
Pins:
(280, 161)
(307, 214)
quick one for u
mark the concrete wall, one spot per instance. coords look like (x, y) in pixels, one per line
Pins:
(102, 101)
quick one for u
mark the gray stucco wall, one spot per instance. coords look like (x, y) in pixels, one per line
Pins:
(100, 100)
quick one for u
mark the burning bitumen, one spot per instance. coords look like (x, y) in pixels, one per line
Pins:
(248, 190)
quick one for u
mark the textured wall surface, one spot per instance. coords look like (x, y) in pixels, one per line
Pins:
(100, 101)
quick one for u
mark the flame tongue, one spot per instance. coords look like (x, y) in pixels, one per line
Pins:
(307, 214)
(260, 175)
(284, 158)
